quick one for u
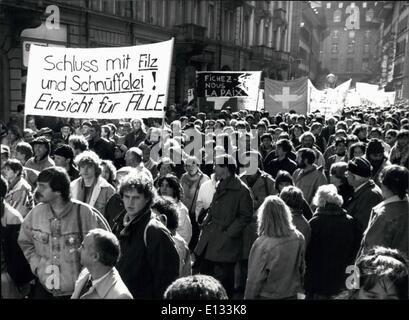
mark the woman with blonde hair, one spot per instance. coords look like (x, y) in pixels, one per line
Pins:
(276, 262)
(334, 243)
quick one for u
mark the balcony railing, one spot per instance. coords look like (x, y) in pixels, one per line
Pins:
(233, 4)
(191, 33)
(262, 52)
(281, 56)
(190, 39)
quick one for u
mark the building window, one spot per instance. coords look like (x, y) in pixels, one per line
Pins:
(256, 31)
(334, 48)
(265, 35)
(334, 64)
(126, 9)
(351, 34)
(400, 47)
(139, 10)
(211, 21)
(398, 70)
(402, 25)
(364, 5)
(185, 12)
(148, 11)
(303, 54)
(225, 25)
(198, 9)
(367, 35)
(155, 14)
(366, 48)
(162, 13)
(365, 65)
(350, 48)
(350, 64)
(228, 25)
(369, 15)
(335, 34)
(246, 26)
(328, 5)
(337, 15)
(340, 5)
(108, 6)
(181, 7)
(167, 13)
(96, 5)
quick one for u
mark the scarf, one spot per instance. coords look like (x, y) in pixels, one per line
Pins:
(128, 220)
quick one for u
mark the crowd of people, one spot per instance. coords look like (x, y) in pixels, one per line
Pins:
(233, 205)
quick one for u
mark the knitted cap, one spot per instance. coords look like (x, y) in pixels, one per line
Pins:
(360, 166)
(65, 151)
(375, 146)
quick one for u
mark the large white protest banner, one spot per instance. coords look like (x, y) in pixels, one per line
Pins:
(371, 96)
(328, 101)
(100, 83)
(366, 88)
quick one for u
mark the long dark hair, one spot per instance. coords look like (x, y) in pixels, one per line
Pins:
(174, 183)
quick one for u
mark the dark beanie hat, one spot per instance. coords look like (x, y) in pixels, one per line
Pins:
(65, 151)
(360, 166)
(375, 146)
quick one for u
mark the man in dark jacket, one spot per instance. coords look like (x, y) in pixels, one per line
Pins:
(388, 226)
(221, 241)
(366, 193)
(282, 162)
(64, 157)
(137, 135)
(149, 260)
(100, 145)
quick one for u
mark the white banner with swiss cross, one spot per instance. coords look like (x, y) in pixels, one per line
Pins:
(283, 96)
(100, 83)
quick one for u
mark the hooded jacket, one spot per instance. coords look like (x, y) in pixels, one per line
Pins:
(229, 213)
